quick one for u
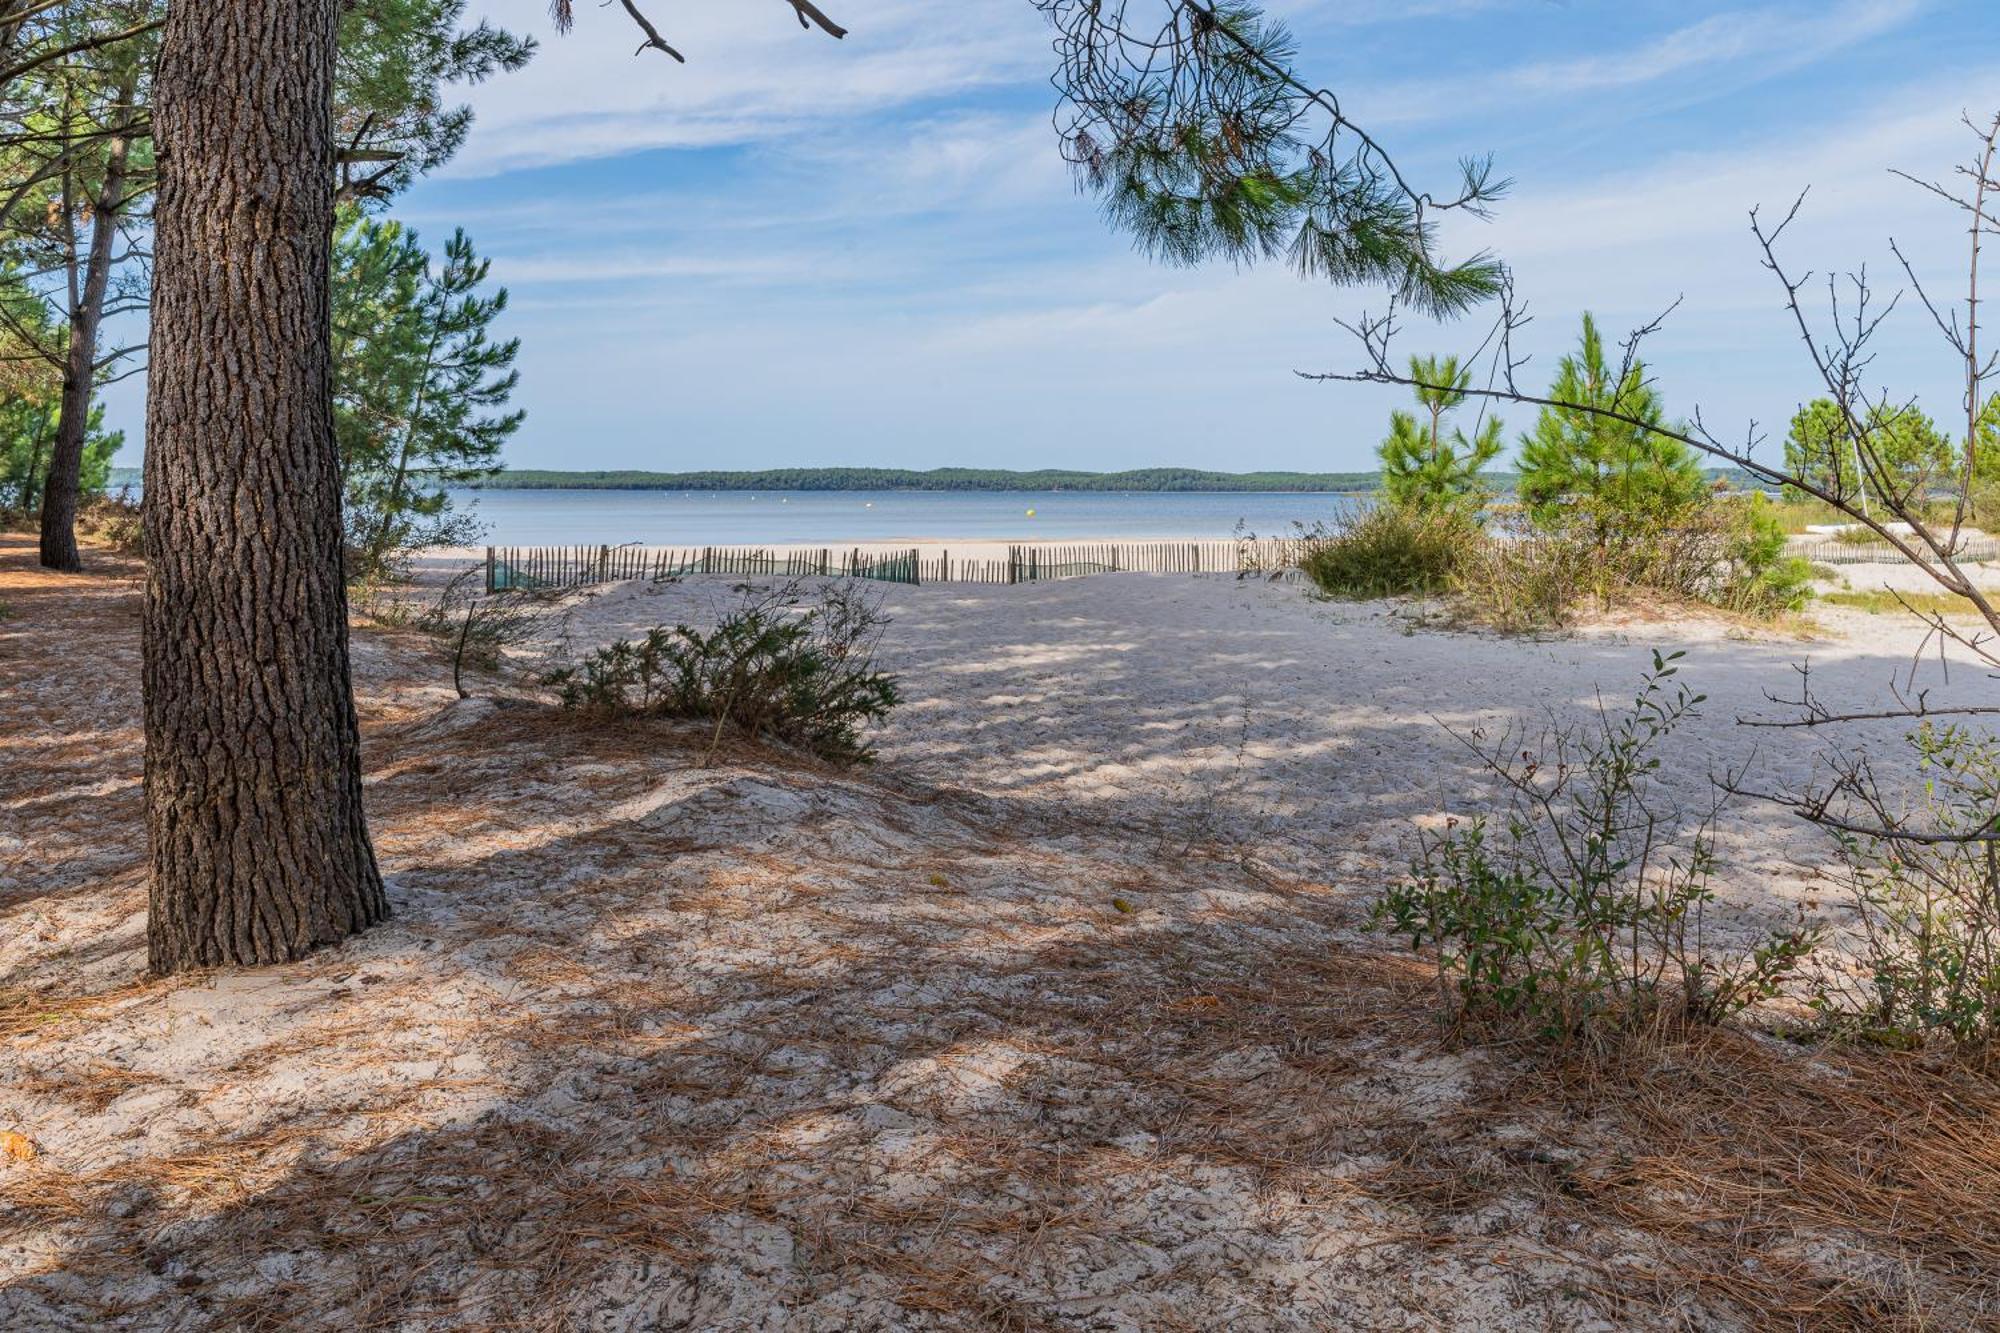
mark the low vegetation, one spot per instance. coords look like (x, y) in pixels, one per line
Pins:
(1517, 581)
(114, 521)
(1517, 572)
(1609, 508)
(777, 667)
(1878, 601)
(1578, 909)
(475, 628)
(1388, 551)
(1924, 881)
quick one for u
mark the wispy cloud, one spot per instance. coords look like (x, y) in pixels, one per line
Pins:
(749, 76)
(876, 254)
(1760, 43)
(1666, 207)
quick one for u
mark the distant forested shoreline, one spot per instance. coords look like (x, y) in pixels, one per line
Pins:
(936, 479)
(1152, 479)
(903, 479)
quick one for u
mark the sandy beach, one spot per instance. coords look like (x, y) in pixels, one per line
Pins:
(1062, 1015)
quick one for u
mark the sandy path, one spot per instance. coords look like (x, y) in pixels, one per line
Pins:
(1308, 733)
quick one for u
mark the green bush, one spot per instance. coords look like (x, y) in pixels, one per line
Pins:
(1519, 572)
(1725, 551)
(1760, 578)
(802, 676)
(1929, 905)
(1984, 502)
(1577, 911)
(1520, 581)
(1390, 551)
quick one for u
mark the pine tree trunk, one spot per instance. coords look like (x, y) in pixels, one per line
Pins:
(258, 845)
(62, 492)
(31, 488)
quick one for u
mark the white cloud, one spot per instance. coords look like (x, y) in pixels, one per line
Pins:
(1760, 43)
(1649, 220)
(751, 74)
(1778, 39)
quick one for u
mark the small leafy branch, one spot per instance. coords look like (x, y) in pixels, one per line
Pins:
(1579, 910)
(1928, 899)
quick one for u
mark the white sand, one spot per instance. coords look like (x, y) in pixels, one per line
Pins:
(1056, 1019)
(1310, 733)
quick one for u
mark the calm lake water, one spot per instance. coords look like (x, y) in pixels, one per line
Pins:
(832, 518)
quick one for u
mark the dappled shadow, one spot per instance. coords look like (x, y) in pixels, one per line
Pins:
(714, 1048)
(695, 1047)
(649, 1044)
(70, 744)
(1250, 719)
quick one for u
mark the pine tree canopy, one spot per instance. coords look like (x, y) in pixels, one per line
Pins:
(1202, 143)
(1896, 445)
(1580, 464)
(420, 387)
(1424, 466)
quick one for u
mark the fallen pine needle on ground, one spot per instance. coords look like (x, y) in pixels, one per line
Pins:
(1061, 1016)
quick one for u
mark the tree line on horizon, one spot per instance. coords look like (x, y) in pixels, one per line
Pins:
(1149, 480)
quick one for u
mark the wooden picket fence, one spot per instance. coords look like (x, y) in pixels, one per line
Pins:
(509, 567)
(1832, 552)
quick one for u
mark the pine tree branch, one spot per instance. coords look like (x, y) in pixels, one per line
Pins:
(35, 62)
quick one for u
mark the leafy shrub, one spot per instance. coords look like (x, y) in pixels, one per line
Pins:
(805, 677)
(1579, 909)
(1757, 576)
(1517, 571)
(1520, 581)
(1390, 550)
(1725, 551)
(1929, 904)
(1984, 501)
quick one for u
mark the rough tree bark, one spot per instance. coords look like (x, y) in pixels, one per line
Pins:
(258, 846)
(63, 489)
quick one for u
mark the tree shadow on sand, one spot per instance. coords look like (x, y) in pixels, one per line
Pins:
(655, 1045)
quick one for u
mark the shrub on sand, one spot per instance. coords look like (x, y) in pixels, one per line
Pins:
(1928, 901)
(802, 676)
(1522, 582)
(1390, 551)
(1518, 573)
(1577, 911)
(115, 521)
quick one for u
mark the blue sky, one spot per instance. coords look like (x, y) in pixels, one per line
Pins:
(799, 251)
